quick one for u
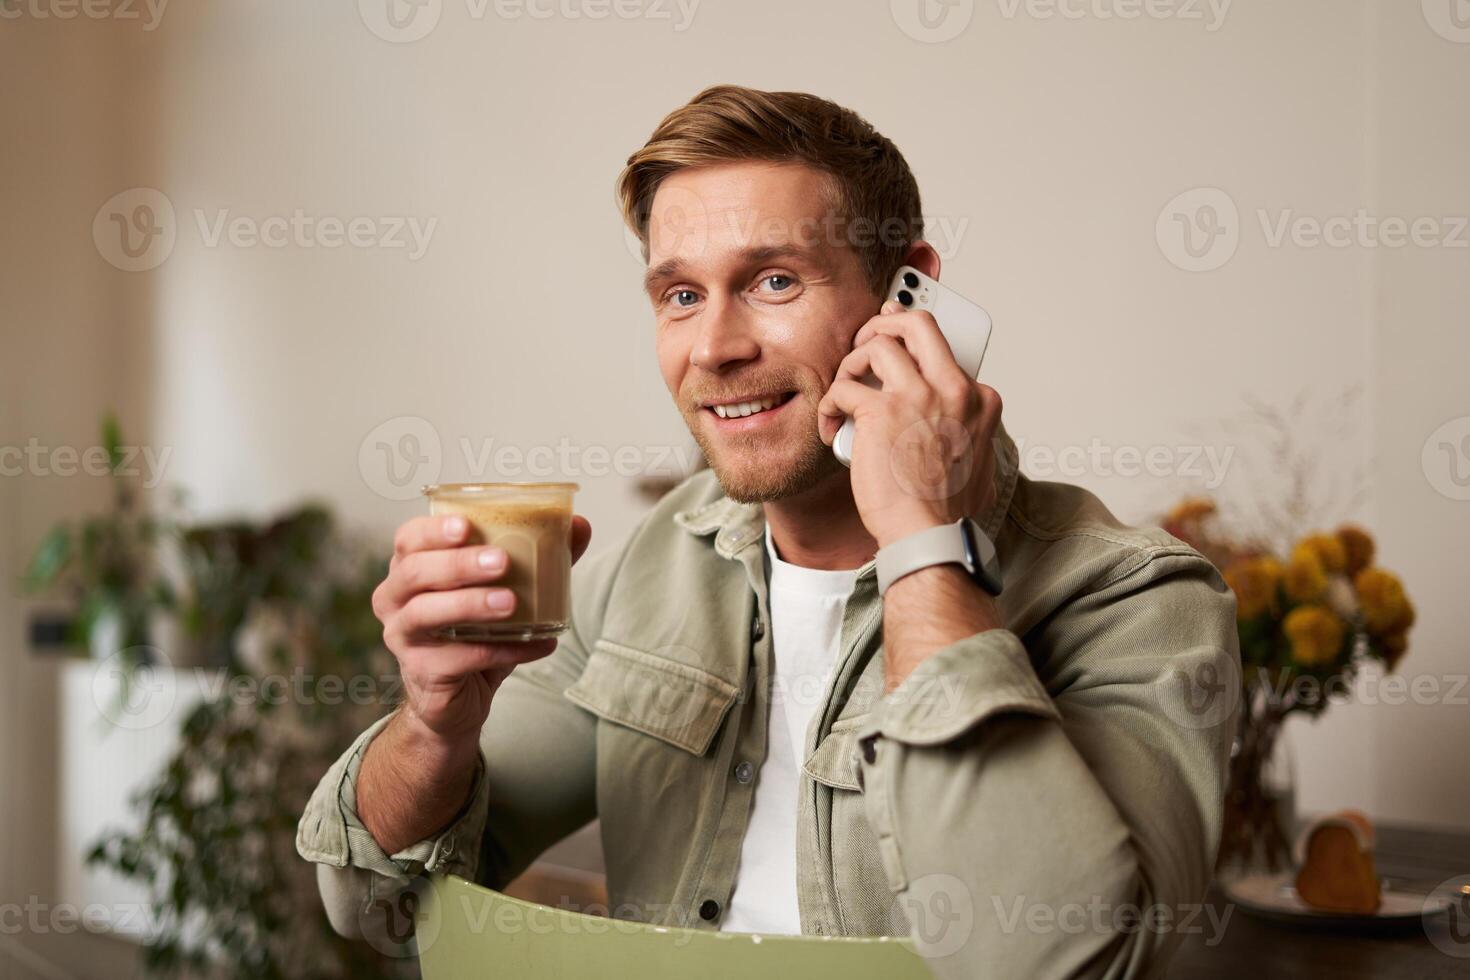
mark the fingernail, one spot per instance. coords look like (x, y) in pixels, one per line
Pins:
(492, 559)
(454, 528)
(500, 599)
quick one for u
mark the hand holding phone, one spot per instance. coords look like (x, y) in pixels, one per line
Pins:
(964, 325)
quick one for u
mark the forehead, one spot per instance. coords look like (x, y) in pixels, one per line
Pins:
(706, 212)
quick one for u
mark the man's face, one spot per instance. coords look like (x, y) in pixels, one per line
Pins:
(757, 301)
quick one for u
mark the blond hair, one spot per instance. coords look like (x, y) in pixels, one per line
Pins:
(875, 196)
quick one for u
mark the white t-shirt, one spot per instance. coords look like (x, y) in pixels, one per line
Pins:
(806, 630)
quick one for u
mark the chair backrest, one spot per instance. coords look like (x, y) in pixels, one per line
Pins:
(465, 930)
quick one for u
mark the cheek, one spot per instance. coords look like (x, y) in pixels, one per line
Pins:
(810, 334)
(672, 351)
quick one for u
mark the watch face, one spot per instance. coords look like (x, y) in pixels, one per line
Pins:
(972, 557)
(985, 572)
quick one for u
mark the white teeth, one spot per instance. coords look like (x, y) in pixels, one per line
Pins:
(740, 410)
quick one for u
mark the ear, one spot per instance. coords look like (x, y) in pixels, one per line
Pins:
(921, 256)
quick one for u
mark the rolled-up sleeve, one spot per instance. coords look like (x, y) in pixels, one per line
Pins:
(1064, 826)
(535, 783)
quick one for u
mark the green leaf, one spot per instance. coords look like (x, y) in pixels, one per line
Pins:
(112, 440)
(50, 559)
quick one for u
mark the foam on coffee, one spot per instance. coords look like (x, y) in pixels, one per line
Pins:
(534, 530)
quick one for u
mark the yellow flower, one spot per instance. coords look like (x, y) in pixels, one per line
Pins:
(1358, 544)
(1191, 509)
(1254, 582)
(1381, 595)
(1315, 635)
(1327, 549)
(1305, 578)
(1395, 645)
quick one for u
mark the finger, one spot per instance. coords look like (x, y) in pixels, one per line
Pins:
(581, 536)
(441, 570)
(452, 659)
(991, 408)
(921, 336)
(846, 397)
(887, 360)
(429, 611)
(430, 531)
(865, 332)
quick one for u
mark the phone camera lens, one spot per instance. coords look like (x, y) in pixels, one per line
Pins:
(910, 280)
(905, 297)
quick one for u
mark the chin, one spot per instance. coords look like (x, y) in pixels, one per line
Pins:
(753, 479)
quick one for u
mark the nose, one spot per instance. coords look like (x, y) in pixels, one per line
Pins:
(725, 337)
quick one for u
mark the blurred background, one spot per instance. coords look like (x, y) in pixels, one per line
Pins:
(267, 268)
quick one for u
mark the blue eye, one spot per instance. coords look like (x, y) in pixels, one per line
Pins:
(685, 297)
(779, 283)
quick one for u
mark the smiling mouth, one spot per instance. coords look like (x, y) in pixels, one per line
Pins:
(754, 406)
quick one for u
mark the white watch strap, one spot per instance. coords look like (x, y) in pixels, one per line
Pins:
(932, 546)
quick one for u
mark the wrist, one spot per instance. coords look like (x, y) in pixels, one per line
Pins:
(434, 750)
(898, 530)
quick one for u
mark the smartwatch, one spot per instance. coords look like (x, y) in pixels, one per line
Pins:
(962, 543)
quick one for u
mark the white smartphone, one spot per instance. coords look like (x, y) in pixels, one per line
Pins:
(964, 324)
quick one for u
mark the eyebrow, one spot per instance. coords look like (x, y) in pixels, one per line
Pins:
(676, 268)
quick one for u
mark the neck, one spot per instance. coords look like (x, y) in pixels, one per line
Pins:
(821, 528)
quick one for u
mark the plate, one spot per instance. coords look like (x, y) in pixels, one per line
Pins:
(1273, 896)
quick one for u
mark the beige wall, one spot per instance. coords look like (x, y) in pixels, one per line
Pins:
(1052, 143)
(63, 356)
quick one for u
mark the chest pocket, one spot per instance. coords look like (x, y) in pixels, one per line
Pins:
(671, 701)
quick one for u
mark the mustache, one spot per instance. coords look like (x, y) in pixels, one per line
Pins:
(699, 395)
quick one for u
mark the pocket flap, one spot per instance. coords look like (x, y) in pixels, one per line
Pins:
(835, 763)
(671, 701)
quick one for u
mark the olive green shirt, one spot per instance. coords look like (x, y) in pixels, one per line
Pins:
(1042, 800)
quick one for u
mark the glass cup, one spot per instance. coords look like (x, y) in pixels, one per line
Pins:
(532, 523)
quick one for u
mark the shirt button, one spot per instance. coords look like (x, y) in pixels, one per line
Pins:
(870, 749)
(709, 910)
(757, 628)
(744, 772)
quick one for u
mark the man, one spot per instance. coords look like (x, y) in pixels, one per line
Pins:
(771, 741)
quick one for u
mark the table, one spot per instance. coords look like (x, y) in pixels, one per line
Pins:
(1413, 859)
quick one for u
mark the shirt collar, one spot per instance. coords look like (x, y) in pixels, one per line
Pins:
(737, 526)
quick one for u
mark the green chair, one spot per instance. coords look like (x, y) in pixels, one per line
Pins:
(465, 930)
